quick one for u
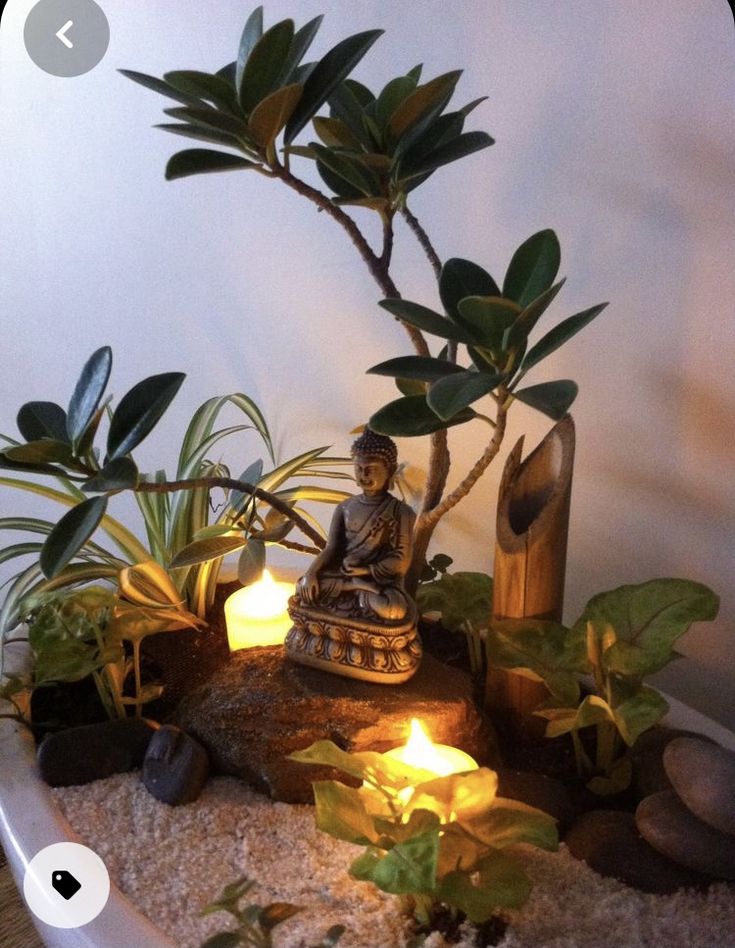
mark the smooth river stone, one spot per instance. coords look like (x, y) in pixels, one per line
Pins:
(608, 841)
(175, 767)
(649, 775)
(703, 775)
(665, 822)
(80, 755)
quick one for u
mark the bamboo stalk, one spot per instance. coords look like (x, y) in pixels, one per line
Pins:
(530, 558)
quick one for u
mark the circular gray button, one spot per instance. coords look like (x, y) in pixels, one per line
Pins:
(66, 37)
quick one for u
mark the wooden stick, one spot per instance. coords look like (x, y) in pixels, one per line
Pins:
(530, 558)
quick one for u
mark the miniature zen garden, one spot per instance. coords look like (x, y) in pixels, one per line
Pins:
(267, 722)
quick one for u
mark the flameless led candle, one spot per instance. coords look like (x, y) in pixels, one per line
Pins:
(256, 614)
(439, 759)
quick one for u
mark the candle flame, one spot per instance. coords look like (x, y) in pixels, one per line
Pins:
(264, 599)
(421, 752)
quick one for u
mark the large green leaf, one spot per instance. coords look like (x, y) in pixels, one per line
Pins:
(70, 534)
(340, 811)
(509, 822)
(38, 420)
(347, 103)
(158, 85)
(342, 188)
(559, 335)
(533, 267)
(519, 331)
(408, 867)
(391, 97)
(422, 104)
(326, 76)
(252, 32)
(271, 114)
(265, 64)
(487, 318)
(459, 147)
(139, 411)
(335, 133)
(200, 551)
(251, 563)
(423, 368)
(120, 474)
(425, 319)
(454, 393)
(551, 651)
(352, 170)
(203, 85)
(461, 278)
(38, 453)
(411, 416)
(372, 768)
(552, 398)
(639, 713)
(212, 136)
(203, 161)
(463, 598)
(88, 392)
(647, 619)
(501, 884)
(302, 40)
(209, 118)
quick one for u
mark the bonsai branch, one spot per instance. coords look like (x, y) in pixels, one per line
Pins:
(423, 239)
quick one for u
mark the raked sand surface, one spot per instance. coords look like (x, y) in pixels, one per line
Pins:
(171, 861)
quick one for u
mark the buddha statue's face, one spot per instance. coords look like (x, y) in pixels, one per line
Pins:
(373, 474)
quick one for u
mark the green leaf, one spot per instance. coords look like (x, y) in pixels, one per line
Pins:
(456, 797)
(251, 33)
(409, 867)
(422, 105)
(201, 551)
(276, 913)
(559, 335)
(203, 85)
(487, 318)
(303, 38)
(615, 781)
(203, 161)
(347, 104)
(509, 822)
(70, 534)
(411, 416)
(462, 598)
(335, 133)
(158, 85)
(423, 368)
(550, 650)
(552, 398)
(211, 135)
(210, 118)
(139, 411)
(425, 319)
(251, 564)
(370, 767)
(349, 169)
(340, 811)
(38, 420)
(265, 64)
(647, 620)
(519, 331)
(271, 114)
(533, 267)
(120, 474)
(88, 392)
(328, 73)
(461, 278)
(39, 453)
(394, 93)
(501, 884)
(454, 393)
(343, 190)
(639, 713)
(459, 147)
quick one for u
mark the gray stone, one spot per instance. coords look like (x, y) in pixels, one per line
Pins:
(649, 774)
(672, 829)
(608, 841)
(538, 790)
(703, 775)
(93, 751)
(176, 766)
(260, 707)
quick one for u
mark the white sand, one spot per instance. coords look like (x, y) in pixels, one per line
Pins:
(171, 861)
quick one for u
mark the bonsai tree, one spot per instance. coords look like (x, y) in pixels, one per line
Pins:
(372, 151)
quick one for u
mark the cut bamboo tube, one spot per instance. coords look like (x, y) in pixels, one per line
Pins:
(530, 558)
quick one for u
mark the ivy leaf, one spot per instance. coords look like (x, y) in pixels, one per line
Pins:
(139, 411)
(88, 392)
(552, 398)
(461, 278)
(559, 335)
(70, 534)
(204, 161)
(533, 267)
(38, 420)
(411, 416)
(452, 394)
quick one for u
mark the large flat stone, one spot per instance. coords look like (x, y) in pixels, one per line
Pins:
(703, 775)
(259, 707)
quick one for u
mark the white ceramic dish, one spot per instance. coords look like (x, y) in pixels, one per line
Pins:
(30, 820)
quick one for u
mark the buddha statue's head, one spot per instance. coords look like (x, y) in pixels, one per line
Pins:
(376, 459)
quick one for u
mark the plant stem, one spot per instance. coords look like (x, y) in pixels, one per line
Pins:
(229, 483)
(138, 683)
(607, 746)
(423, 239)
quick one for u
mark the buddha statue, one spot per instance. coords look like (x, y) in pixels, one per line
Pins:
(351, 613)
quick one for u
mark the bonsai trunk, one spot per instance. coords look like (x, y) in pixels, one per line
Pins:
(530, 559)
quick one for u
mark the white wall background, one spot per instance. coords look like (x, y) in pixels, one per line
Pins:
(615, 126)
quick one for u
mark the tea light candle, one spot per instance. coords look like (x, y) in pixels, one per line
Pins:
(439, 759)
(256, 614)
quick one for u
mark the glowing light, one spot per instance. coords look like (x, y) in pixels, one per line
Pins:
(440, 759)
(256, 614)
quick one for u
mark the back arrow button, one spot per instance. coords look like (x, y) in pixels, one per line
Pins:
(61, 34)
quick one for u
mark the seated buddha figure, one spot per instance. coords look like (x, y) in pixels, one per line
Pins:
(357, 581)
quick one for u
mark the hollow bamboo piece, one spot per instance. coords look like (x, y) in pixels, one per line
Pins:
(530, 558)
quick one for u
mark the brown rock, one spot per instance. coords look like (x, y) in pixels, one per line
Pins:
(608, 841)
(175, 767)
(649, 774)
(675, 831)
(260, 707)
(703, 775)
(93, 751)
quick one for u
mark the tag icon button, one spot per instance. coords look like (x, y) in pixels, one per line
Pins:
(65, 883)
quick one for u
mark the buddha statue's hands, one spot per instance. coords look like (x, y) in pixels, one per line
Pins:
(309, 586)
(352, 567)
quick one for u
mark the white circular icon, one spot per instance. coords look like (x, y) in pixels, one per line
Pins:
(66, 885)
